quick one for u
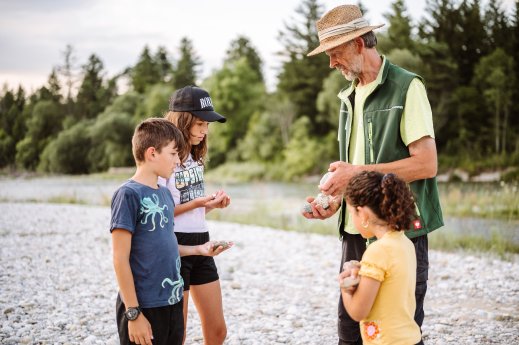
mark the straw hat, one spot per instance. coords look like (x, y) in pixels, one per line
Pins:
(340, 25)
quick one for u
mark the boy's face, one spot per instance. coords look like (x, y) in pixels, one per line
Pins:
(167, 160)
(198, 131)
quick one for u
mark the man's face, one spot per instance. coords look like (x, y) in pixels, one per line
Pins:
(346, 59)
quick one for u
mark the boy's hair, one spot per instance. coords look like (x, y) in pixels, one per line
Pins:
(386, 195)
(184, 121)
(157, 133)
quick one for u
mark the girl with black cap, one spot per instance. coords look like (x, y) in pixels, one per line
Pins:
(191, 110)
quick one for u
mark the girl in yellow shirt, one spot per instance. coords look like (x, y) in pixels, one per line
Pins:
(383, 302)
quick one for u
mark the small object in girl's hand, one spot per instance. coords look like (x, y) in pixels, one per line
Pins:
(350, 280)
(224, 244)
(213, 196)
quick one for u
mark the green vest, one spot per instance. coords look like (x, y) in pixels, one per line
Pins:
(383, 144)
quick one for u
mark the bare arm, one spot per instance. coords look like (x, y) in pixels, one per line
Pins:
(421, 164)
(206, 249)
(218, 200)
(358, 303)
(140, 329)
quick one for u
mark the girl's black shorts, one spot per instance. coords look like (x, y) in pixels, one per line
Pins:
(196, 269)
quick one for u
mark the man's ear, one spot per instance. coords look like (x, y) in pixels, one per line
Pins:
(359, 44)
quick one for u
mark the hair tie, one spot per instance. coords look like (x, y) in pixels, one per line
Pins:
(385, 177)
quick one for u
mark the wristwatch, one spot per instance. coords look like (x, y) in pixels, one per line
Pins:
(132, 313)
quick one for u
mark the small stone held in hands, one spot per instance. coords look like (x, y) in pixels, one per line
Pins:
(224, 244)
(320, 199)
(350, 281)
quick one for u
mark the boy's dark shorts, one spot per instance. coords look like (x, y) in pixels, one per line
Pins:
(196, 269)
(167, 323)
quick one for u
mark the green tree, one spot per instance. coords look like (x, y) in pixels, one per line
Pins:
(42, 126)
(68, 152)
(242, 47)
(498, 27)
(328, 103)
(301, 77)
(237, 94)
(164, 66)
(493, 75)
(93, 95)
(112, 131)
(269, 131)
(186, 70)
(400, 29)
(12, 124)
(146, 72)
(68, 70)
(155, 102)
(304, 154)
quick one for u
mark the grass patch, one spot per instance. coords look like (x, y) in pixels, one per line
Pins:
(66, 199)
(445, 241)
(482, 200)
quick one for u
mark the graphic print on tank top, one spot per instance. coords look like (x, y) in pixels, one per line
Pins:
(190, 183)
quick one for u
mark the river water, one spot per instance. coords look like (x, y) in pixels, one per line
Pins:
(272, 198)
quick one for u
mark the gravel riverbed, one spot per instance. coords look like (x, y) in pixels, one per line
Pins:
(57, 284)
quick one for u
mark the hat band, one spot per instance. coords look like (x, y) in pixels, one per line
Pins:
(355, 24)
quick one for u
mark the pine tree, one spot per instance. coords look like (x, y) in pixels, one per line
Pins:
(145, 73)
(301, 78)
(242, 47)
(91, 98)
(67, 70)
(165, 69)
(186, 71)
(399, 30)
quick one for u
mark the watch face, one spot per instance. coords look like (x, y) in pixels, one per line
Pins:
(132, 313)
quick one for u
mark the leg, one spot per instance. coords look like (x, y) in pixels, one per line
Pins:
(184, 311)
(421, 245)
(353, 246)
(208, 302)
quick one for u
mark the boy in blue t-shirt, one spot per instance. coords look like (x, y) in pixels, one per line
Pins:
(146, 255)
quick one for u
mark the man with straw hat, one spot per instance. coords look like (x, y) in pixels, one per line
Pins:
(385, 125)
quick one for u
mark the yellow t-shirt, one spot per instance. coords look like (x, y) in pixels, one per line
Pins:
(392, 261)
(416, 121)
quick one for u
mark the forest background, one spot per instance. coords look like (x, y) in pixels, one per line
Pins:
(80, 123)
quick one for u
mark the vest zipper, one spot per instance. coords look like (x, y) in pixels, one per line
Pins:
(370, 140)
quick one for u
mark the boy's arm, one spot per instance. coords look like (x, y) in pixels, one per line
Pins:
(140, 329)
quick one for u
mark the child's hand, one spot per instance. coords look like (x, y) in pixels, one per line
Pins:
(209, 248)
(139, 330)
(220, 199)
(349, 277)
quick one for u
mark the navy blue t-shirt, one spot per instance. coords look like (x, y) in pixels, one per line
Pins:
(154, 258)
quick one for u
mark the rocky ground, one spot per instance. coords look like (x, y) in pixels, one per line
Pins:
(57, 284)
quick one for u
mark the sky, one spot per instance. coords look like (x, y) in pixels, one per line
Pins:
(34, 33)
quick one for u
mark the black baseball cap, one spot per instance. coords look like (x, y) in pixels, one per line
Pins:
(195, 101)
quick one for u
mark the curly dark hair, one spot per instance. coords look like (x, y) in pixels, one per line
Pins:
(386, 195)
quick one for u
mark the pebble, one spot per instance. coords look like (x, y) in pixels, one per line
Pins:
(58, 285)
